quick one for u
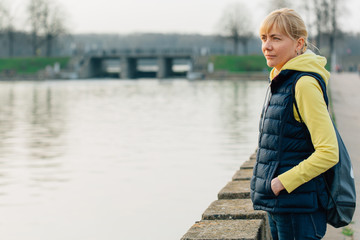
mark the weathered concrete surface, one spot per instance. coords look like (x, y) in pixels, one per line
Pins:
(249, 164)
(232, 216)
(236, 209)
(226, 230)
(235, 190)
(232, 209)
(243, 174)
(345, 96)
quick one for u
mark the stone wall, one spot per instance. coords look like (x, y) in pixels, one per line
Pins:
(232, 215)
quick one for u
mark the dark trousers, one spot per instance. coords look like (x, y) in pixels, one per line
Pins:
(298, 226)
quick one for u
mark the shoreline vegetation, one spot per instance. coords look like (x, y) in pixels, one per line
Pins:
(239, 64)
(232, 67)
(223, 67)
(32, 68)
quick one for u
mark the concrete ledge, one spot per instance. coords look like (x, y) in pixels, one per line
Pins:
(249, 164)
(243, 174)
(232, 209)
(232, 217)
(226, 230)
(235, 190)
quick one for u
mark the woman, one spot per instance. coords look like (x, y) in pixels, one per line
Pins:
(297, 141)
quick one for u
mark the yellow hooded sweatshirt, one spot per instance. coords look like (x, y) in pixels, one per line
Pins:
(313, 111)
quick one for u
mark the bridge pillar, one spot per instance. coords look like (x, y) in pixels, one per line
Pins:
(93, 67)
(165, 67)
(128, 67)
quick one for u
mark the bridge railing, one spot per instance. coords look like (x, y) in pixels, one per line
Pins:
(196, 51)
(139, 51)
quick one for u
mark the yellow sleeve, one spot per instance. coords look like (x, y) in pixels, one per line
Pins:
(313, 111)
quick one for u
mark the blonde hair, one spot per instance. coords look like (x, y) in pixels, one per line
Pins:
(288, 22)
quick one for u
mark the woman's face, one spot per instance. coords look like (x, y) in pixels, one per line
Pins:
(278, 48)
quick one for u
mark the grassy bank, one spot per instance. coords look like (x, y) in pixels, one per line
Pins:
(249, 63)
(30, 65)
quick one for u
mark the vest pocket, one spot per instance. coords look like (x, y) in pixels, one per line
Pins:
(301, 202)
(272, 172)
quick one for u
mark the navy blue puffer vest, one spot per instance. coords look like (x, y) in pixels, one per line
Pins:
(283, 144)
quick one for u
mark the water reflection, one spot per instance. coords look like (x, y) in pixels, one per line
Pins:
(100, 159)
(31, 129)
(46, 125)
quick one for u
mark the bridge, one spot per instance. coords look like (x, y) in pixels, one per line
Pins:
(94, 63)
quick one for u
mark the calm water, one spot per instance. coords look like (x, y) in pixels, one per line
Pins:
(113, 159)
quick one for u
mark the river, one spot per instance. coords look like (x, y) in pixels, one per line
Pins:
(119, 159)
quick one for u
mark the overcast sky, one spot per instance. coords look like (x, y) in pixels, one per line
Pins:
(165, 16)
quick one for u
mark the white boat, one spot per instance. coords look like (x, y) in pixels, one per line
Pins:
(195, 75)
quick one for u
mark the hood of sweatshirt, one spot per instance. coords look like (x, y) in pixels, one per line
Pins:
(306, 62)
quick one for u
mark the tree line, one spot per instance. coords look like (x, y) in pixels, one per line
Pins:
(46, 25)
(45, 20)
(236, 23)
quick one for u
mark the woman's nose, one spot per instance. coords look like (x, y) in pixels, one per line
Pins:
(267, 45)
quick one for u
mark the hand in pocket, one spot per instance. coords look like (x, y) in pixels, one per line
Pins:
(276, 186)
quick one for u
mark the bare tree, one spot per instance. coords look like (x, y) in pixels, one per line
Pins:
(277, 4)
(36, 11)
(8, 28)
(322, 16)
(318, 19)
(326, 21)
(53, 24)
(47, 23)
(2, 10)
(235, 24)
(334, 28)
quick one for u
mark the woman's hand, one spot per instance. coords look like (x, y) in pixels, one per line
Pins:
(276, 186)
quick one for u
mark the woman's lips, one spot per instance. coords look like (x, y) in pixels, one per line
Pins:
(270, 56)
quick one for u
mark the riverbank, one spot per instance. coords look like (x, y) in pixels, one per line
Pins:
(225, 75)
(32, 68)
(222, 67)
(221, 75)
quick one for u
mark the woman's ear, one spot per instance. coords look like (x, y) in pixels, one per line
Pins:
(300, 45)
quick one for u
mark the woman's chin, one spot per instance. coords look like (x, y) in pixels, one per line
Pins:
(270, 64)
